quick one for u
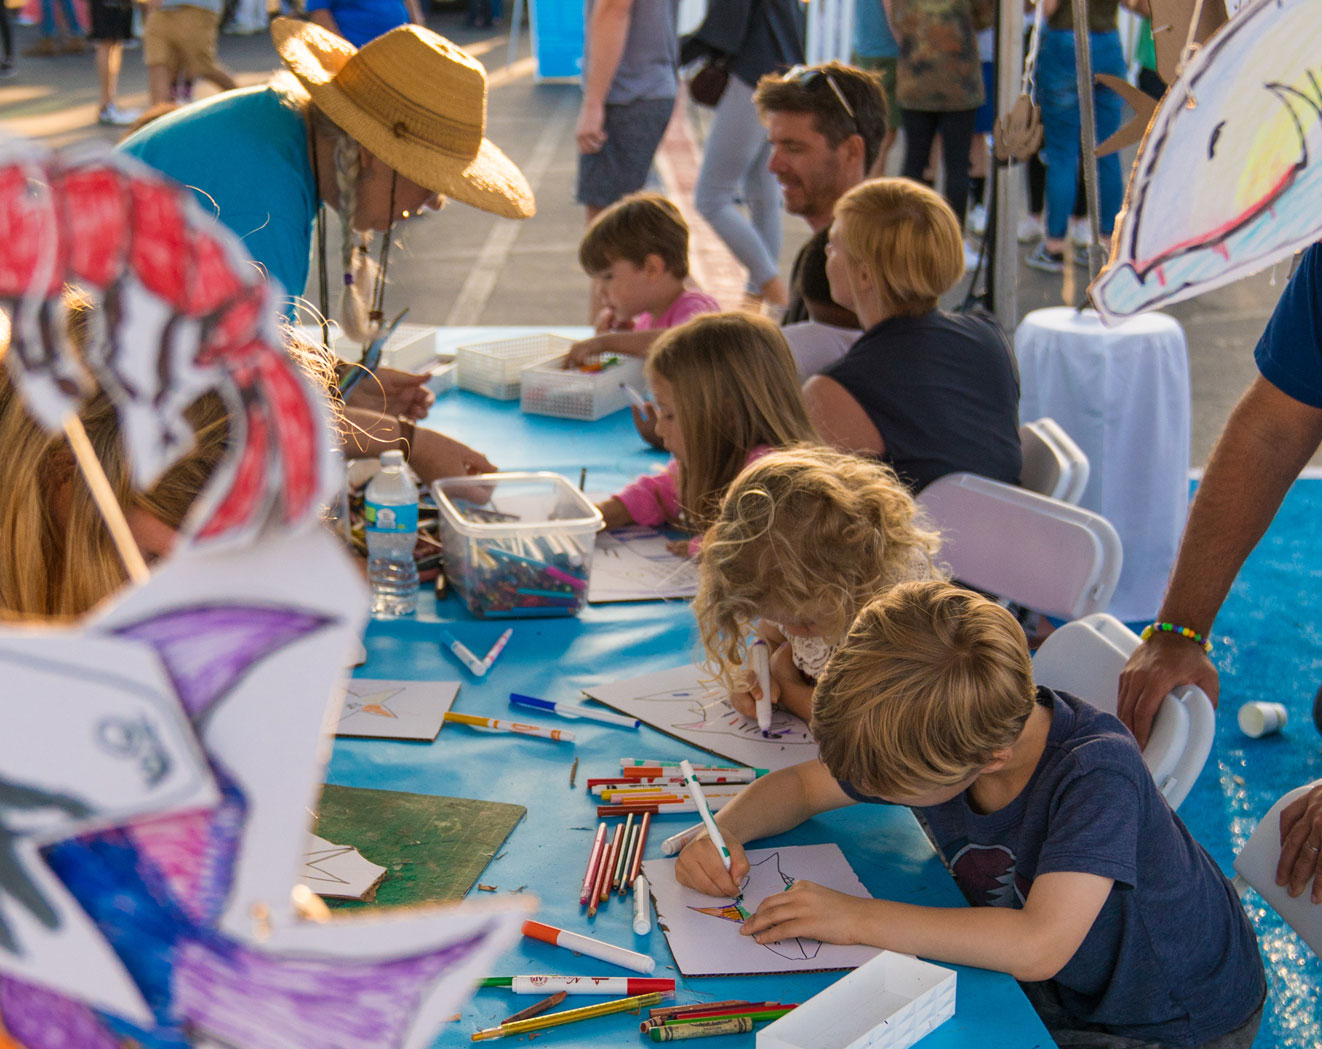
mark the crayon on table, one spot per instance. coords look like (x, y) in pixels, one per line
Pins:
(700, 801)
(642, 907)
(704, 1029)
(594, 858)
(569, 1016)
(536, 1008)
(515, 727)
(627, 985)
(599, 949)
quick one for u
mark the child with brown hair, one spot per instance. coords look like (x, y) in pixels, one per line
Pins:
(726, 392)
(805, 537)
(1083, 884)
(637, 254)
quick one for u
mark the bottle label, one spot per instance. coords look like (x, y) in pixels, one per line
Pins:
(387, 518)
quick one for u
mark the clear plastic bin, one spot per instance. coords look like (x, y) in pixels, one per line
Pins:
(494, 369)
(548, 389)
(526, 551)
(410, 348)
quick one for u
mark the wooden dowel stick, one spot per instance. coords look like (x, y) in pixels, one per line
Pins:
(104, 497)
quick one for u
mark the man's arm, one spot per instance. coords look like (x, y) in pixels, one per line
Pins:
(606, 35)
(1267, 441)
(839, 419)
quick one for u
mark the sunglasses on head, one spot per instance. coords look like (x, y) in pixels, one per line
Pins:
(807, 75)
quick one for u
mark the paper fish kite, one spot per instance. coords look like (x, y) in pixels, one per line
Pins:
(1228, 178)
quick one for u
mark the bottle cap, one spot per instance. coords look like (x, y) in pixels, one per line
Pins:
(393, 457)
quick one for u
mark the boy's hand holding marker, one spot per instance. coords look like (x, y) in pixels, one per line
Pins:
(812, 911)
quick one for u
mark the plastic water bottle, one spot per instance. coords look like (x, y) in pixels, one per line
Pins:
(392, 532)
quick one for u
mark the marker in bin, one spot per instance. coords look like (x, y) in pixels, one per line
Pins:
(635, 398)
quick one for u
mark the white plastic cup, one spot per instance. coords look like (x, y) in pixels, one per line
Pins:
(1262, 719)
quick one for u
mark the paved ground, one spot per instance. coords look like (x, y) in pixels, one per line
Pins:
(463, 267)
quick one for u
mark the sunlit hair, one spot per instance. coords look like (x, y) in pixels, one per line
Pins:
(735, 387)
(907, 237)
(629, 230)
(931, 681)
(808, 531)
(60, 565)
(813, 94)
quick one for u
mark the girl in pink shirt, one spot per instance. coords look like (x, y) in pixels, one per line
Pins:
(726, 392)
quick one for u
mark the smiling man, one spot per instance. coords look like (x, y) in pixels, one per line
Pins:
(825, 124)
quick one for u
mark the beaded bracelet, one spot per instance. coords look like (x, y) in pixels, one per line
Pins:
(1182, 631)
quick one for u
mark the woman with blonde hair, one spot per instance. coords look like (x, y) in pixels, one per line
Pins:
(805, 537)
(927, 391)
(726, 391)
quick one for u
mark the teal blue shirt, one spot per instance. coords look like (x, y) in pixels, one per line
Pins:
(245, 156)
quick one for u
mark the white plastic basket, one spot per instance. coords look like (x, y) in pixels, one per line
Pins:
(493, 369)
(887, 1003)
(548, 389)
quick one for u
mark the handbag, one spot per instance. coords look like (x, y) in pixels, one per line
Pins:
(708, 84)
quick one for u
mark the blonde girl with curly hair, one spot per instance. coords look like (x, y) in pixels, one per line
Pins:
(805, 537)
(727, 391)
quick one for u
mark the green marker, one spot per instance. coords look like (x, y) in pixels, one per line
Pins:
(497, 981)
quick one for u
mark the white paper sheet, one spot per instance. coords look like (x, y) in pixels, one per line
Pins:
(681, 704)
(633, 564)
(339, 872)
(395, 709)
(703, 931)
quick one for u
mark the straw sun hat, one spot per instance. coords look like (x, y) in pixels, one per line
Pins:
(416, 101)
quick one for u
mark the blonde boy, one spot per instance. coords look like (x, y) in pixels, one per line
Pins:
(637, 254)
(1083, 884)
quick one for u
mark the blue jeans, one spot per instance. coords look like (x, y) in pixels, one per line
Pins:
(71, 26)
(1058, 95)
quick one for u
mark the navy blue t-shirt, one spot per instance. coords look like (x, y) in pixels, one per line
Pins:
(942, 391)
(1171, 956)
(1289, 354)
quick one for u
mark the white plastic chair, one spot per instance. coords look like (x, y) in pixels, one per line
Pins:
(1085, 657)
(1038, 552)
(1256, 865)
(1053, 464)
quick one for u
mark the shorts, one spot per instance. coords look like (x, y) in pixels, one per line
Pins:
(111, 20)
(633, 131)
(985, 121)
(183, 38)
(888, 68)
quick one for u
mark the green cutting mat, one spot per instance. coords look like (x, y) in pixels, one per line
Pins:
(433, 848)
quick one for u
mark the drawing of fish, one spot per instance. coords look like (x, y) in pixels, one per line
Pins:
(1228, 178)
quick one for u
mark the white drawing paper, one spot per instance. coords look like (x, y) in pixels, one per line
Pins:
(703, 931)
(683, 703)
(340, 872)
(395, 709)
(633, 564)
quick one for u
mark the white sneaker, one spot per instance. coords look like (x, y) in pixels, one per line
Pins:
(1080, 230)
(976, 222)
(1031, 229)
(113, 116)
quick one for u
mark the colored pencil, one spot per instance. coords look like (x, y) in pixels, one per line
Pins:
(594, 858)
(757, 1015)
(515, 727)
(603, 875)
(622, 882)
(645, 826)
(626, 843)
(606, 952)
(569, 1016)
(536, 1008)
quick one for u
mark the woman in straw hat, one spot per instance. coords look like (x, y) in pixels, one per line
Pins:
(377, 133)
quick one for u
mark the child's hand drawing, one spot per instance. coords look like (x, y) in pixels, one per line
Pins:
(808, 911)
(746, 702)
(699, 867)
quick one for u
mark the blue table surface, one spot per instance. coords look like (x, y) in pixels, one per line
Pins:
(546, 854)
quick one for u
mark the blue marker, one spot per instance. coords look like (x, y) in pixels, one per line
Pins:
(572, 710)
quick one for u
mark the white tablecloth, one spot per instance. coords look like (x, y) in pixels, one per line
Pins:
(1122, 393)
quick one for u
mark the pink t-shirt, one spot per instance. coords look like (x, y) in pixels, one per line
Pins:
(690, 303)
(653, 499)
